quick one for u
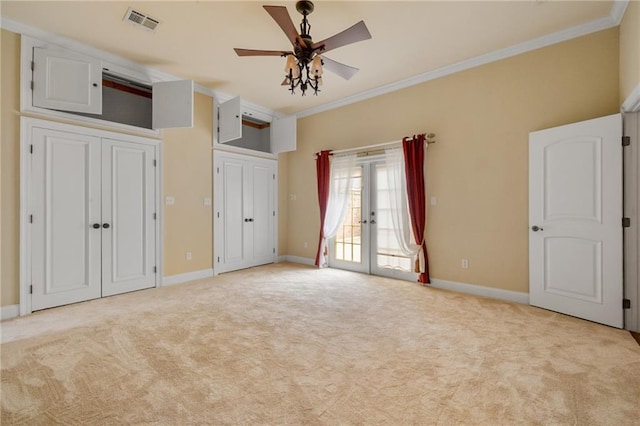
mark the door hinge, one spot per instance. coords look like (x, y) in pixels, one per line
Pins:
(626, 222)
(218, 214)
(274, 250)
(274, 176)
(155, 163)
(31, 289)
(30, 149)
(218, 259)
(274, 213)
(31, 85)
(30, 218)
(155, 216)
(626, 303)
(155, 269)
(33, 65)
(218, 170)
(626, 140)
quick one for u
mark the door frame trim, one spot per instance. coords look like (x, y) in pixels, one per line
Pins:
(27, 124)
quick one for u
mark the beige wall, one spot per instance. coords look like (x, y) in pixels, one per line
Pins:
(478, 168)
(9, 167)
(630, 50)
(187, 177)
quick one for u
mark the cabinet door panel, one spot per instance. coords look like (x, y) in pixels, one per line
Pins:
(234, 212)
(229, 121)
(172, 104)
(65, 203)
(283, 134)
(128, 205)
(67, 81)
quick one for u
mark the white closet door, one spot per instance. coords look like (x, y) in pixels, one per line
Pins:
(65, 206)
(67, 81)
(234, 214)
(128, 202)
(260, 246)
(284, 134)
(172, 104)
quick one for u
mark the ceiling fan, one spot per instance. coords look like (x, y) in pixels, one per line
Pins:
(304, 63)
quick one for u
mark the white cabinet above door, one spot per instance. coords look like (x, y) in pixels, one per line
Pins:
(172, 104)
(283, 134)
(229, 120)
(68, 81)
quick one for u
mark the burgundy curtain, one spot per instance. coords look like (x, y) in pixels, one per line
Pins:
(414, 171)
(322, 170)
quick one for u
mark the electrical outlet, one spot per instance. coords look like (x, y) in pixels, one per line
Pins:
(306, 245)
(207, 201)
(434, 201)
(169, 200)
(465, 264)
(188, 255)
(292, 197)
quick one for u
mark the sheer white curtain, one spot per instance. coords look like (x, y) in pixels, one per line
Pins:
(342, 170)
(398, 203)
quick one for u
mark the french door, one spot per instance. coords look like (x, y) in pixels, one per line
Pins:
(366, 240)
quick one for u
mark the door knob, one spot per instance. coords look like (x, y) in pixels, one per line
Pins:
(363, 221)
(250, 219)
(536, 228)
(246, 220)
(105, 225)
(96, 226)
(373, 221)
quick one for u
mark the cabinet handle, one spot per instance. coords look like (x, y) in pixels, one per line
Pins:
(105, 225)
(95, 84)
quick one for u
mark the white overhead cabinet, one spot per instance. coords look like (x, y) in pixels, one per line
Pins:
(70, 82)
(92, 222)
(245, 219)
(255, 131)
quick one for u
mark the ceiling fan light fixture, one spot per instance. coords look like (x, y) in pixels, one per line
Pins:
(304, 65)
(316, 66)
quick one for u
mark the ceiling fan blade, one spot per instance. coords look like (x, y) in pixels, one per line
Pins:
(252, 52)
(285, 82)
(353, 34)
(344, 71)
(283, 19)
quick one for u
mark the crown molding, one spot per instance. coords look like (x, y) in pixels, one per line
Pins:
(613, 20)
(617, 11)
(632, 103)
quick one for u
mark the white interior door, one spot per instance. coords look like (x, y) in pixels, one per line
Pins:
(65, 205)
(261, 214)
(244, 228)
(128, 224)
(67, 81)
(575, 213)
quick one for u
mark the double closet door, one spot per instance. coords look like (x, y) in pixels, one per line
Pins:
(92, 212)
(244, 228)
(366, 240)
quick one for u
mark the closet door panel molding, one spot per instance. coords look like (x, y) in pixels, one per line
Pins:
(89, 217)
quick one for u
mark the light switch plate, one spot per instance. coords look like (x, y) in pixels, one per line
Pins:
(207, 201)
(434, 201)
(168, 200)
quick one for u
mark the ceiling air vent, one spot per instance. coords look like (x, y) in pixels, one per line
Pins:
(140, 19)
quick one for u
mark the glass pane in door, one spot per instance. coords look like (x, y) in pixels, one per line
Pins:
(388, 254)
(348, 241)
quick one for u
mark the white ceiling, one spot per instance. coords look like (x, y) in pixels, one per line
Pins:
(195, 40)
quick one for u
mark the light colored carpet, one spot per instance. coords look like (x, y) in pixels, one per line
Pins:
(288, 344)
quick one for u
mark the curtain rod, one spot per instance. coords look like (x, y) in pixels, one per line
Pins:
(377, 147)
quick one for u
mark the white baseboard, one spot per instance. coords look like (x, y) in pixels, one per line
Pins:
(281, 259)
(478, 290)
(187, 276)
(11, 311)
(302, 260)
